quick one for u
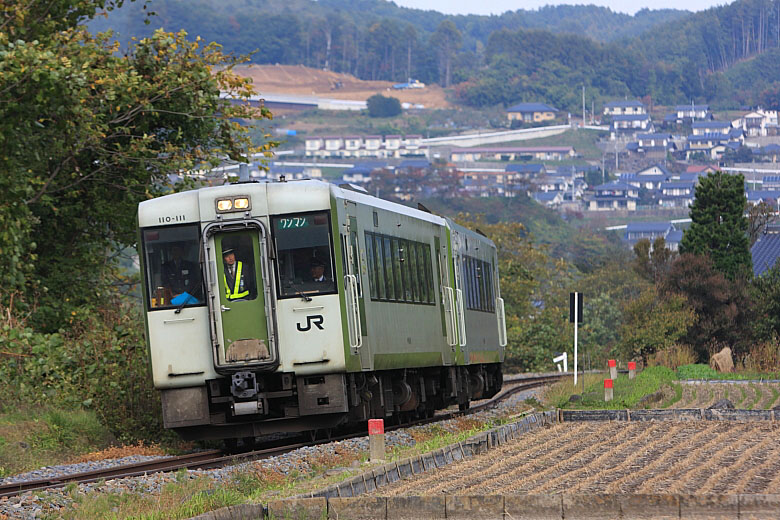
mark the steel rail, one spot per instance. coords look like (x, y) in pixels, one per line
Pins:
(218, 458)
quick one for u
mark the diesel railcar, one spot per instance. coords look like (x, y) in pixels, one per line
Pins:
(301, 306)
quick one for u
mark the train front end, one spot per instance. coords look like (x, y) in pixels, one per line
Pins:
(244, 309)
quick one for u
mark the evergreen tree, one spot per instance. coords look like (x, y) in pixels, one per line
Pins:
(719, 227)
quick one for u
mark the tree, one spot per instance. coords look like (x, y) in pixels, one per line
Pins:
(652, 323)
(86, 134)
(723, 307)
(447, 39)
(759, 215)
(719, 227)
(652, 262)
(381, 106)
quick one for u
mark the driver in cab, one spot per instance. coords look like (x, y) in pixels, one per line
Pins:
(235, 277)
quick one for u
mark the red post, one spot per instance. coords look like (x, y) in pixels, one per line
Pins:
(612, 368)
(608, 391)
(376, 439)
(631, 369)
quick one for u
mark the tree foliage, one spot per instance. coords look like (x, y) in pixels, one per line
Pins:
(719, 227)
(87, 133)
(383, 106)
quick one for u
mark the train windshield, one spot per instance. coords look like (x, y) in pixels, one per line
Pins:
(303, 252)
(171, 259)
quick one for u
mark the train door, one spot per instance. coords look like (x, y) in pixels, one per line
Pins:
(240, 296)
(353, 287)
(458, 245)
(447, 297)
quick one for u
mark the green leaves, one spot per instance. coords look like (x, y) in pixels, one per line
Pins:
(87, 134)
(719, 227)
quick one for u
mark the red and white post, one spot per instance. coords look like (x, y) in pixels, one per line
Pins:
(608, 392)
(376, 439)
(631, 369)
(612, 369)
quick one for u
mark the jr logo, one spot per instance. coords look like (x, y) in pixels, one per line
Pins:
(314, 319)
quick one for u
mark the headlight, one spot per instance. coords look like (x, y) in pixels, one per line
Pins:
(224, 205)
(241, 203)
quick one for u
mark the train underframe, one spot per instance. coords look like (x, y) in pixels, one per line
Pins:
(248, 404)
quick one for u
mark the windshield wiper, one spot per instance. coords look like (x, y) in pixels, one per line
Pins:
(304, 296)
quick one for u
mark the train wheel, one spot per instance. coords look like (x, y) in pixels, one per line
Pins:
(464, 406)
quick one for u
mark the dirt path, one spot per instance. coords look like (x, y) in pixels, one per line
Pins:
(618, 457)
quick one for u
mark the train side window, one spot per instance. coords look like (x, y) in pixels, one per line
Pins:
(405, 254)
(399, 288)
(412, 268)
(371, 267)
(380, 267)
(429, 273)
(388, 268)
(481, 280)
(424, 296)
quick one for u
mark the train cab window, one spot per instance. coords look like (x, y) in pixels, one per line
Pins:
(172, 267)
(303, 251)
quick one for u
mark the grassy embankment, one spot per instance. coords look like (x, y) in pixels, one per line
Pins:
(661, 383)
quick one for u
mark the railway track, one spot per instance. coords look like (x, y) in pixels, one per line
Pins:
(218, 458)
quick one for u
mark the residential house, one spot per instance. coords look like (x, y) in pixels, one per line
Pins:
(702, 169)
(622, 108)
(691, 112)
(771, 152)
(487, 183)
(710, 127)
(526, 170)
(531, 112)
(711, 145)
(652, 145)
(766, 250)
(551, 199)
(755, 197)
(392, 146)
(656, 169)
(647, 182)
(514, 153)
(677, 194)
(630, 125)
(551, 183)
(353, 145)
(758, 123)
(636, 231)
(614, 196)
(771, 183)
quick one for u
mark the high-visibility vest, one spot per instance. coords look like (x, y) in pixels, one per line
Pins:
(235, 294)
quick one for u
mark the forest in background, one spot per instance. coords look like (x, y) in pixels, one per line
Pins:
(724, 56)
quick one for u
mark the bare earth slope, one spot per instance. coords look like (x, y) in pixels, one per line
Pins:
(305, 81)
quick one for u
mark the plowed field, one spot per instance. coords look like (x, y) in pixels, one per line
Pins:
(745, 396)
(615, 457)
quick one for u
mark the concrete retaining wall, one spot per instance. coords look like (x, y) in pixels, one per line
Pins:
(537, 507)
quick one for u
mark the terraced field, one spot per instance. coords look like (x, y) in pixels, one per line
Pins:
(746, 396)
(617, 457)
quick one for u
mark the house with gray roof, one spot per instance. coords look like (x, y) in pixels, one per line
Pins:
(614, 195)
(766, 250)
(691, 112)
(710, 127)
(620, 108)
(630, 124)
(636, 231)
(531, 112)
(677, 194)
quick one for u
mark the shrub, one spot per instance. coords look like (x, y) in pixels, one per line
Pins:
(381, 106)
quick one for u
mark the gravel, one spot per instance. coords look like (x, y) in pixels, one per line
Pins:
(52, 503)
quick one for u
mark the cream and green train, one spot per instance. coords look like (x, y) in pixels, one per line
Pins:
(405, 318)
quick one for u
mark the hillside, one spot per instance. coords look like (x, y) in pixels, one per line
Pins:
(667, 57)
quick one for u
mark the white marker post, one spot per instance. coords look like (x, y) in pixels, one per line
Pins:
(575, 316)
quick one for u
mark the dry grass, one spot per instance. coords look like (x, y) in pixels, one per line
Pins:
(117, 452)
(673, 357)
(557, 395)
(763, 357)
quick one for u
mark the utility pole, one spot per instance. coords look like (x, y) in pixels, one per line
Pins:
(583, 106)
